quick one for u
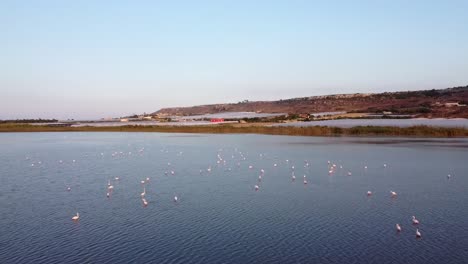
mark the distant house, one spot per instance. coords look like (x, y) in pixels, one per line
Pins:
(453, 104)
(386, 112)
(216, 120)
(124, 120)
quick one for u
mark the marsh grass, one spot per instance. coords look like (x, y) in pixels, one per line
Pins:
(420, 131)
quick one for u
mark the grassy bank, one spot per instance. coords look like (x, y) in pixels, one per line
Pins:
(419, 131)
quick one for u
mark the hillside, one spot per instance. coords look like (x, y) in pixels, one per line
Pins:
(424, 103)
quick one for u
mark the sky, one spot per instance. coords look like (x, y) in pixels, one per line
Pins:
(94, 59)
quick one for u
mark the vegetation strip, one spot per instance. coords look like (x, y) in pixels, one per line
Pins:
(422, 131)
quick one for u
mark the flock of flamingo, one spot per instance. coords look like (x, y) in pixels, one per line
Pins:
(332, 169)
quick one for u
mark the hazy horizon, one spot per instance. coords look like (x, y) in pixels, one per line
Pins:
(90, 60)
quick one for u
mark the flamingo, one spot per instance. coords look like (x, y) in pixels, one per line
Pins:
(250, 167)
(256, 187)
(145, 203)
(117, 178)
(76, 217)
(369, 193)
(262, 171)
(259, 177)
(418, 234)
(108, 194)
(68, 189)
(448, 176)
(398, 228)
(349, 173)
(394, 194)
(144, 192)
(176, 198)
(142, 182)
(415, 221)
(147, 179)
(305, 181)
(293, 177)
(274, 165)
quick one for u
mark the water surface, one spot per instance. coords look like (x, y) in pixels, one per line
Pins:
(220, 218)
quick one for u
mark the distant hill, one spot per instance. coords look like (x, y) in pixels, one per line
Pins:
(424, 103)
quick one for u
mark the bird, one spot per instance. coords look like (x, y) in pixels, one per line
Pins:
(259, 177)
(274, 165)
(145, 203)
(418, 234)
(448, 176)
(293, 177)
(68, 189)
(349, 173)
(176, 198)
(142, 182)
(256, 187)
(415, 221)
(394, 194)
(117, 178)
(76, 217)
(144, 192)
(305, 181)
(147, 179)
(369, 193)
(250, 167)
(108, 194)
(398, 228)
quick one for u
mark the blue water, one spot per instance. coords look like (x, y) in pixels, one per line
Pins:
(219, 217)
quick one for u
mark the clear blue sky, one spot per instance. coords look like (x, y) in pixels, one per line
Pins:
(92, 59)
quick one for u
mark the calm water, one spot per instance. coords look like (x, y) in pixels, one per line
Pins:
(219, 217)
(440, 122)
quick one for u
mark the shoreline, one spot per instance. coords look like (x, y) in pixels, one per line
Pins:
(413, 131)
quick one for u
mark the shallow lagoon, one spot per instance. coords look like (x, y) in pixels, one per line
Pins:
(219, 216)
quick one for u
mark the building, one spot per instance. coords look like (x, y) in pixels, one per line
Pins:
(216, 120)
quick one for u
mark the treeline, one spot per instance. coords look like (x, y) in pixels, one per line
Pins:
(40, 120)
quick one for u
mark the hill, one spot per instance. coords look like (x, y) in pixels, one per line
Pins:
(424, 103)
